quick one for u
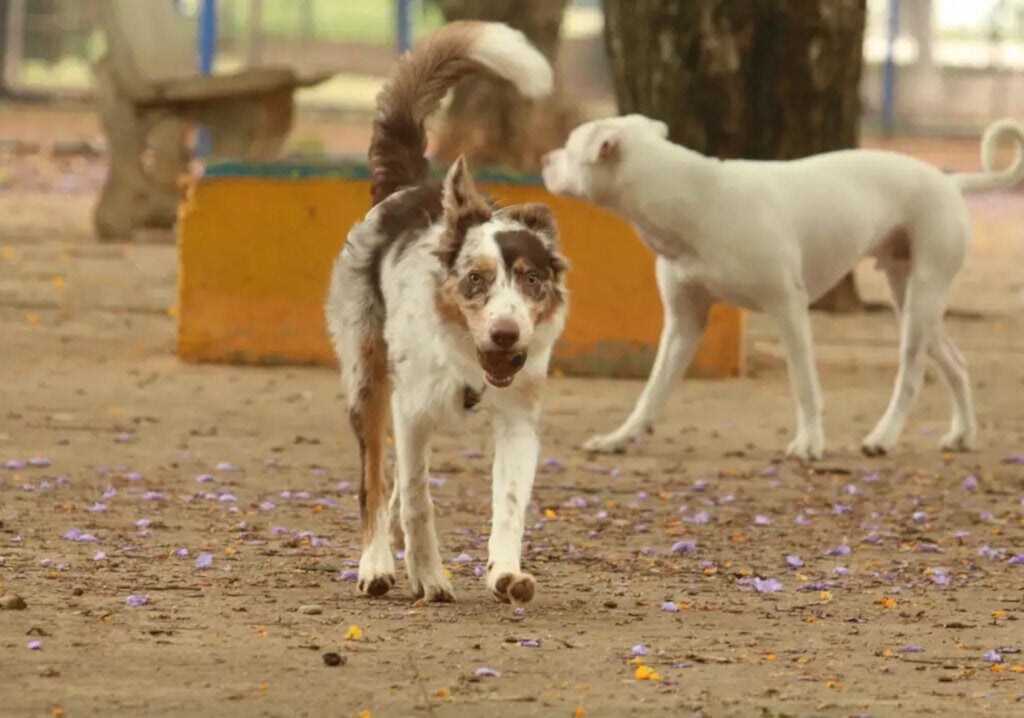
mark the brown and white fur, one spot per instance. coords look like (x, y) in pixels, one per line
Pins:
(440, 304)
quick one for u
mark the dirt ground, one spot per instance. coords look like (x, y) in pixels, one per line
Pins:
(184, 536)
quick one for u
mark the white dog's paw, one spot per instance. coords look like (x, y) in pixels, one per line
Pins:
(613, 443)
(512, 587)
(877, 444)
(432, 586)
(376, 571)
(806, 447)
(958, 440)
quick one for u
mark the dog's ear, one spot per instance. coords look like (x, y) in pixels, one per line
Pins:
(464, 208)
(603, 145)
(661, 128)
(536, 217)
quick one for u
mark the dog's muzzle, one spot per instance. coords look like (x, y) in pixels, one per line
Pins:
(501, 367)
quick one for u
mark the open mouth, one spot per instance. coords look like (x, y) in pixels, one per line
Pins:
(500, 367)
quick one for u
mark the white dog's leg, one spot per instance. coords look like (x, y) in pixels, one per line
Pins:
(686, 310)
(422, 556)
(516, 451)
(963, 428)
(794, 322)
(923, 307)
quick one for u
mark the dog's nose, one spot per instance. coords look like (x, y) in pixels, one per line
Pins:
(505, 334)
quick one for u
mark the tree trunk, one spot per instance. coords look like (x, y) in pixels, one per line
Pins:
(758, 79)
(487, 120)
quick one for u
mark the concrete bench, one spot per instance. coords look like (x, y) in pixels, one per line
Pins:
(149, 92)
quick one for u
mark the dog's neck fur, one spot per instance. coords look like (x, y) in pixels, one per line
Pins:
(673, 209)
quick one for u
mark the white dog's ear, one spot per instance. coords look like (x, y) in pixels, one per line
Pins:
(661, 128)
(604, 145)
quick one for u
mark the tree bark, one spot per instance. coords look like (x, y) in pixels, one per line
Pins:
(758, 79)
(487, 120)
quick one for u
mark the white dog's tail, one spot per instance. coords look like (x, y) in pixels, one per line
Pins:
(423, 77)
(992, 178)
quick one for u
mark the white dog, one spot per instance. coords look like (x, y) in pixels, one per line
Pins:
(775, 236)
(435, 296)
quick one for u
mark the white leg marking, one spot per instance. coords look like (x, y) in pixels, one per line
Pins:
(794, 322)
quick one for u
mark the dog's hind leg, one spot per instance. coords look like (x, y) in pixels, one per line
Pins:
(422, 555)
(921, 335)
(952, 368)
(368, 394)
(793, 318)
(686, 308)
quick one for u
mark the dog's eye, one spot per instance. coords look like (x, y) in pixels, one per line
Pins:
(532, 278)
(475, 278)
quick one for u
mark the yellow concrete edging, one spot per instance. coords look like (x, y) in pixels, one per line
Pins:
(256, 254)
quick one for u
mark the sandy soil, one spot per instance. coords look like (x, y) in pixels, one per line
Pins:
(897, 591)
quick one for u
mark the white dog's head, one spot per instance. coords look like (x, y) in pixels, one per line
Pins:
(586, 167)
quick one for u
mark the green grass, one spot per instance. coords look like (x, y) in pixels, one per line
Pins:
(366, 21)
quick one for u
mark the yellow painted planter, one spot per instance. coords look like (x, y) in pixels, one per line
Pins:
(257, 243)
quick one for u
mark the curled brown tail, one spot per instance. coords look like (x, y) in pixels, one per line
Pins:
(419, 83)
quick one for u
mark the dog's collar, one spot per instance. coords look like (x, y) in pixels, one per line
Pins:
(471, 397)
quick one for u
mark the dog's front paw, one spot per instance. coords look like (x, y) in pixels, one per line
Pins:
(512, 587)
(376, 571)
(613, 443)
(806, 447)
(877, 443)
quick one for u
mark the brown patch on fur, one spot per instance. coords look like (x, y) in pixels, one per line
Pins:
(402, 220)
(460, 299)
(368, 415)
(535, 216)
(420, 81)
(537, 270)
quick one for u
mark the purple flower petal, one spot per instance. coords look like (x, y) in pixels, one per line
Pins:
(992, 657)
(839, 509)
(760, 520)
(770, 471)
(801, 520)
(641, 495)
(471, 453)
(110, 493)
(98, 556)
(530, 643)
(349, 575)
(39, 461)
(227, 497)
(153, 496)
(919, 517)
(940, 577)
(133, 476)
(266, 506)
(1016, 459)
(987, 551)
(436, 482)
(181, 553)
(97, 507)
(639, 650)
(685, 546)
(137, 600)
(278, 530)
(794, 561)
(204, 560)
(766, 585)
(142, 523)
(912, 649)
(33, 645)
(648, 551)
(486, 673)
(123, 438)
(701, 517)
(553, 464)
(479, 571)
(841, 571)
(14, 464)
(970, 483)
(1017, 560)
(462, 558)
(871, 478)
(670, 607)
(205, 479)
(225, 466)
(841, 550)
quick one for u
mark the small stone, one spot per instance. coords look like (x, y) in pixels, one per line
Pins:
(311, 610)
(12, 602)
(611, 604)
(334, 659)
(77, 591)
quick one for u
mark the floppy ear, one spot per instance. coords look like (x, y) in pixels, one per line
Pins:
(534, 216)
(464, 208)
(603, 145)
